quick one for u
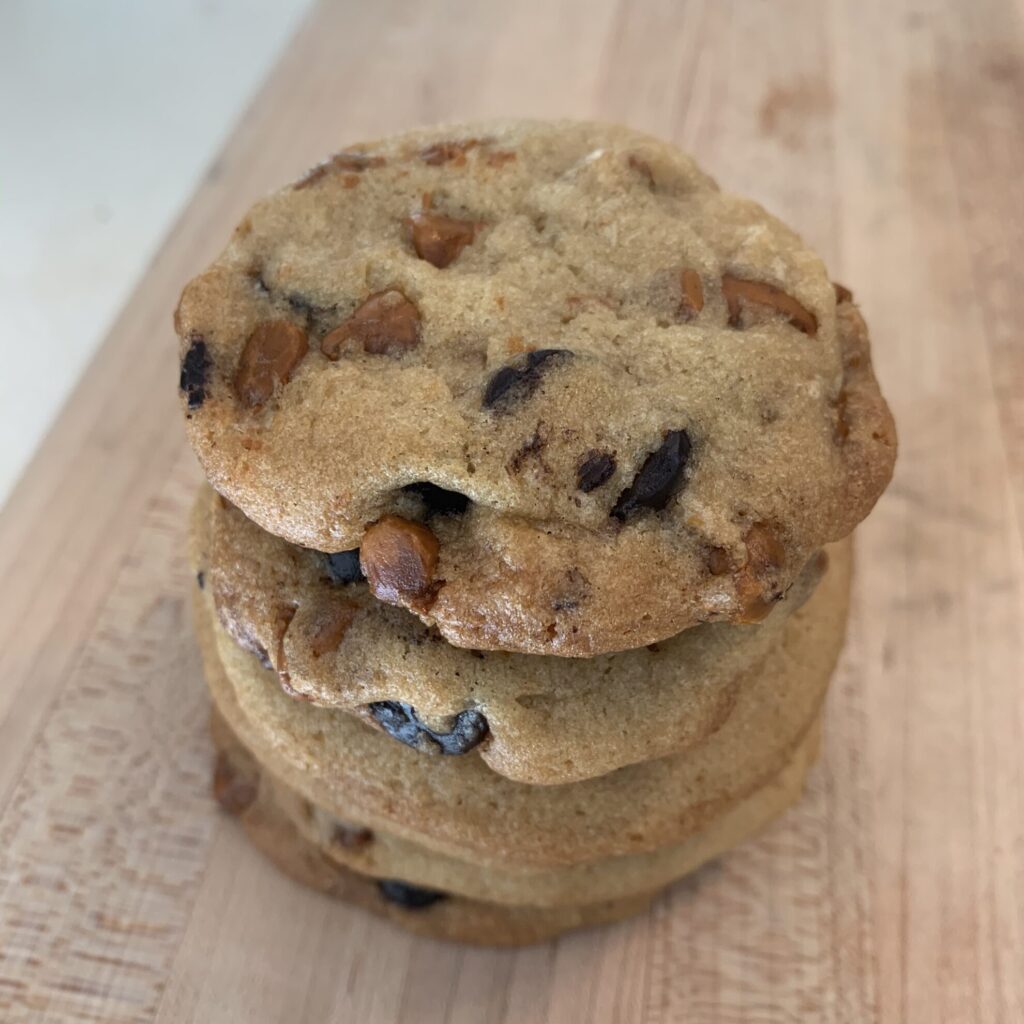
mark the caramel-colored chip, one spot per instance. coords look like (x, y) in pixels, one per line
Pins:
(719, 562)
(399, 558)
(739, 292)
(387, 323)
(439, 239)
(351, 837)
(754, 584)
(329, 627)
(354, 163)
(232, 790)
(692, 299)
(642, 167)
(453, 151)
(270, 356)
(500, 157)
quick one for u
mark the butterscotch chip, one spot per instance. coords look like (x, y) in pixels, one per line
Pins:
(387, 323)
(351, 837)
(353, 163)
(399, 558)
(765, 555)
(329, 628)
(692, 301)
(231, 789)
(740, 292)
(439, 239)
(719, 562)
(270, 356)
(449, 151)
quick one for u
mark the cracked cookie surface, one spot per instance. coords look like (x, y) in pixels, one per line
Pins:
(641, 399)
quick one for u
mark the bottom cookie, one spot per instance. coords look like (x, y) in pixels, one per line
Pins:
(276, 820)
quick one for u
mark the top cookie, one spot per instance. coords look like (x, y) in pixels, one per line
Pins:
(566, 395)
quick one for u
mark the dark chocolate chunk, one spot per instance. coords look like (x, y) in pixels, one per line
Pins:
(195, 369)
(519, 380)
(411, 897)
(401, 722)
(438, 500)
(201, 579)
(658, 479)
(344, 567)
(594, 470)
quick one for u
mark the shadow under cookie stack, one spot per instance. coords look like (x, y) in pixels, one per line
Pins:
(522, 573)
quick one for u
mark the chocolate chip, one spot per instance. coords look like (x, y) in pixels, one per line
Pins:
(307, 307)
(343, 567)
(400, 721)
(658, 479)
(519, 380)
(438, 501)
(201, 579)
(195, 368)
(231, 790)
(529, 449)
(594, 470)
(843, 294)
(409, 896)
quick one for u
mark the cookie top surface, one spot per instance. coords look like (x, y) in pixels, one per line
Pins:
(612, 400)
(457, 805)
(540, 720)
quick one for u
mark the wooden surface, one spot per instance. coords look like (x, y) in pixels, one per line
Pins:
(891, 133)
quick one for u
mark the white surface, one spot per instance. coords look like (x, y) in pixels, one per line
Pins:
(109, 112)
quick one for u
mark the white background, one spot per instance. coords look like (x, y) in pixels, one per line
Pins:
(109, 112)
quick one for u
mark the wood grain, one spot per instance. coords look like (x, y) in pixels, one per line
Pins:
(891, 133)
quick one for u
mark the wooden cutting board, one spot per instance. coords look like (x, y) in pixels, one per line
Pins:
(891, 132)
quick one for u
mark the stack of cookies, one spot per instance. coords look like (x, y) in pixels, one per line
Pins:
(522, 573)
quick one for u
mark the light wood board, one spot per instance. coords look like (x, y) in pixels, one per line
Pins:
(891, 133)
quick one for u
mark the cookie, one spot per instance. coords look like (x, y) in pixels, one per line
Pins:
(383, 855)
(563, 394)
(460, 807)
(425, 912)
(540, 720)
